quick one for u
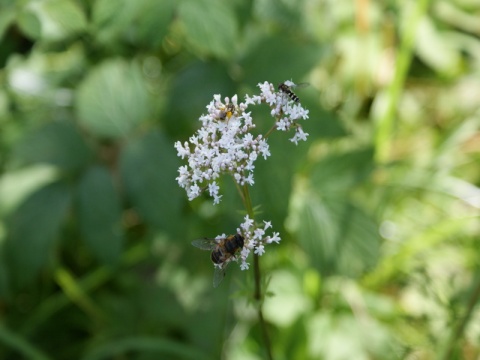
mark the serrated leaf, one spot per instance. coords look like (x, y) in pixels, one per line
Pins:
(33, 229)
(100, 215)
(112, 100)
(210, 26)
(149, 167)
(56, 143)
(339, 237)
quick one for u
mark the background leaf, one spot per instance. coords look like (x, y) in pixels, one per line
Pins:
(56, 143)
(149, 168)
(100, 215)
(33, 229)
(112, 100)
(210, 26)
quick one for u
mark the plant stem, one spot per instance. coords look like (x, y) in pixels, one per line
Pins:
(257, 294)
(385, 124)
(458, 330)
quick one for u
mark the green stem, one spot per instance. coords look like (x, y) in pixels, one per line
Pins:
(458, 330)
(384, 127)
(257, 295)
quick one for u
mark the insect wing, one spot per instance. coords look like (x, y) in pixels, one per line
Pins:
(301, 85)
(219, 274)
(205, 243)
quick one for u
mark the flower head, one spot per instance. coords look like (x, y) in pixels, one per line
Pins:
(254, 239)
(225, 143)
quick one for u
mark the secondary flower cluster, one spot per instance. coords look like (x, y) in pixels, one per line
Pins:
(225, 143)
(254, 239)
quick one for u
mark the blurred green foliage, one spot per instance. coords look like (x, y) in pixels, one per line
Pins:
(378, 211)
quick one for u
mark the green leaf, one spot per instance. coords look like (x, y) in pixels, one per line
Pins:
(146, 345)
(112, 100)
(153, 21)
(7, 17)
(339, 237)
(100, 215)
(111, 18)
(61, 18)
(20, 345)
(149, 167)
(197, 83)
(138, 22)
(32, 230)
(341, 172)
(56, 143)
(287, 13)
(29, 23)
(435, 48)
(278, 59)
(210, 26)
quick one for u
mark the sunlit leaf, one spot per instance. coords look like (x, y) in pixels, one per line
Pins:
(100, 215)
(33, 229)
(29, 23)
(210, 26)
(431, 46)
(61, 18)
(112, 100)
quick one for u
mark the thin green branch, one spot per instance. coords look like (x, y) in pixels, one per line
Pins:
(257, 294)
(459, 328)
(384, 129)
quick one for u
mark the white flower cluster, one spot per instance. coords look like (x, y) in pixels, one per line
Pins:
(286, 111)
(254, 239)
(225, 144)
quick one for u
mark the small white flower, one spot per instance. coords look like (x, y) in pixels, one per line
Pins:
(275, 238)
(268, 224)
(244, 266)
(258, 233)
(247, 224)
(260, 250)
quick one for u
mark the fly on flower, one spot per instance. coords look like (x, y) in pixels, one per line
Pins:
(287, 86)
(223, 251)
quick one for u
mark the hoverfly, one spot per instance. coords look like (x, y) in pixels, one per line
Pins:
(288, 90)
(223, 250)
